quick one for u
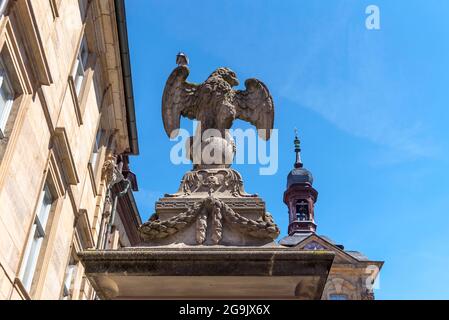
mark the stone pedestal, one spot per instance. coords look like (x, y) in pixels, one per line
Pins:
(210, 208)
(210, 240)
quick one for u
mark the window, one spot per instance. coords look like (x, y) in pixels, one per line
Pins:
(338, 297)
(302, 211)
(6, 97)
(80, 66)
(82, 4)
(3, 5)
(69, 278)
(36, 238)
(96, 151)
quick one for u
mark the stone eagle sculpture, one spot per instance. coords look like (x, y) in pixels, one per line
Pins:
(214, 103)
(211, 206)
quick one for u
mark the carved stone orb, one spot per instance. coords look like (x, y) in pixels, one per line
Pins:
(214, 152)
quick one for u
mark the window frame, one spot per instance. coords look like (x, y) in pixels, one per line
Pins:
(70, 277)
(97, 159)
(36, 237)
(3, 6)
(96, 150)
(81, 63)
(9, 100)
(81, 74)
(83, 7)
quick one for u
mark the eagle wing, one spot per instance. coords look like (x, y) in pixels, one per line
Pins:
(179, 99)
(256, 106)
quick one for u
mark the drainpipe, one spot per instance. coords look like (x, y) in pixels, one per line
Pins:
(114, 210)
(104, 216)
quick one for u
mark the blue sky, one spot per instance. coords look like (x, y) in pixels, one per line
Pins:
(371, 107)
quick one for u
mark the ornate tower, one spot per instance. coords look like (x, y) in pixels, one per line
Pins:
(300, 196)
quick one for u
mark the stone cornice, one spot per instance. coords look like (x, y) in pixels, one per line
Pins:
(270, 271)
(108, 17)
(231, 261)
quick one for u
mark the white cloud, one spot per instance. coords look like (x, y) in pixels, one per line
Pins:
(343, 75)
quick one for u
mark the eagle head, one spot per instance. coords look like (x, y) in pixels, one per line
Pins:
(227, 75)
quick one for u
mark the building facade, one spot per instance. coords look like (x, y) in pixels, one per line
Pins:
(67, 129)
(352, 275)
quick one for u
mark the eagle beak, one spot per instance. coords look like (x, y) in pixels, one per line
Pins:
(236, 82)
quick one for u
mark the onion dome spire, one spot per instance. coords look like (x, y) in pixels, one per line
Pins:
(300, 196)
(298, 162)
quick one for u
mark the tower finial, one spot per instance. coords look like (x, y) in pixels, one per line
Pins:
(298, 162)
